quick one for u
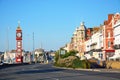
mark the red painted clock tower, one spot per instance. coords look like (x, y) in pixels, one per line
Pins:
(19, 57)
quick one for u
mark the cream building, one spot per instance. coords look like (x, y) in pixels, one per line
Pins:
(67, 47)
(116, 40)
(78, 39)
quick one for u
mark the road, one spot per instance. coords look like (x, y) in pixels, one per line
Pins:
(48, 72)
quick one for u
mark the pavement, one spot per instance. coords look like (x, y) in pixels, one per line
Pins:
(96, 70)
(103, 70)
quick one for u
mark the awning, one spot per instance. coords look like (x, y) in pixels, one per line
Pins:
(109, 50)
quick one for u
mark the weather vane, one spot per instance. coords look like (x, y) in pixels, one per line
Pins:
(19, 23)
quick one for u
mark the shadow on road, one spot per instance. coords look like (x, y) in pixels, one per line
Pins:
(39, 71)
(12, 65)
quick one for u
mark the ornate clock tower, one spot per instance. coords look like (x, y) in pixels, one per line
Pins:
(19, 57)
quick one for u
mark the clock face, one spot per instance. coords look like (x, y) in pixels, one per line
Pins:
(18, 34)
(19, 43)
(19, 50)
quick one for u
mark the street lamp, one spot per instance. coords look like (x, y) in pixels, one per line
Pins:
(8, 39)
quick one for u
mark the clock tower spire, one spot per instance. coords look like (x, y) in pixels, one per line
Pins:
(19, 57)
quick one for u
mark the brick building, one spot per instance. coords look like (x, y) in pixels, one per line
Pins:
(108, 38)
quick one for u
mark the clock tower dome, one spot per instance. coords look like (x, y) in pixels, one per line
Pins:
(19, 57)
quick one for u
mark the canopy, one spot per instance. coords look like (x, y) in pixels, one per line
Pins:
(115, 57)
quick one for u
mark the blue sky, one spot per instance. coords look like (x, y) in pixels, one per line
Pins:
(52, 21)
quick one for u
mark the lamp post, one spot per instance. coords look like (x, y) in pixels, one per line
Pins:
(33, 55)
(7, 39)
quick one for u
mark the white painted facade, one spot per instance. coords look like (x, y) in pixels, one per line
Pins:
(94, 44)
(9, 57)
(117, 33)
(117, 37)
(95, 41)
(87, 45)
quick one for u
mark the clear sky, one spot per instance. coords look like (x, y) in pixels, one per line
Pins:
(52, 21)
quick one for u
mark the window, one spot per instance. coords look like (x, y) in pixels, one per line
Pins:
(108, 34)
(82, 37)
(109, 43)
(81, 32)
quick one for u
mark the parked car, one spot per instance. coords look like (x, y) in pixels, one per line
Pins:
(1, 63)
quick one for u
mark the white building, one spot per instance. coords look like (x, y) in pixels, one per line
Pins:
(116, 40)
(97, 44)
(94, 45)
(39, 55)
(87, 49)
(9, 57)
(87, 45)
(26, 56)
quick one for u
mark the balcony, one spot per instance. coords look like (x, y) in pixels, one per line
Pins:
(117, 46)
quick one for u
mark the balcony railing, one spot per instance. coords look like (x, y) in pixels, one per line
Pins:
(117, 46)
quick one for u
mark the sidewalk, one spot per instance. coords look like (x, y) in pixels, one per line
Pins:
(109, 70)
(102, 70)
(96, 70)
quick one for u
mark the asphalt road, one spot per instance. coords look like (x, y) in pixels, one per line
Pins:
(48, 72)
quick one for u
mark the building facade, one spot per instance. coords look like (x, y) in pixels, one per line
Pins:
(78, 38)
(100, 42)
(117, 35)
(94, 43)
(108, 38)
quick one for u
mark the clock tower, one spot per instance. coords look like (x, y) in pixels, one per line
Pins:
(19, 57)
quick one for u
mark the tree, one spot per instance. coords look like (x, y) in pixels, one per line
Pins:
(56, 56)
(71, 53)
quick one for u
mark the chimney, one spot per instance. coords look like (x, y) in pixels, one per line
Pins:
(105, 22)
(110, 17)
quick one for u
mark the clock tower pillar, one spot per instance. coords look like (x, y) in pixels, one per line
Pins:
(19, 57)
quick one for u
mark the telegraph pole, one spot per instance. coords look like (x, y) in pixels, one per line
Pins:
(8, 39)
(33, 47)
(33, 42)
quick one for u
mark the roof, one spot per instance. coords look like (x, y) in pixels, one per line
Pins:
(96, 29)
(82, 26)
(18, 28)
(1, 52)
(40, 50)
(13, 51)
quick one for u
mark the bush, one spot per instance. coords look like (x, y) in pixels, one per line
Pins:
(71, 53)
(72, 62)
(56, 56)
(77, 63)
